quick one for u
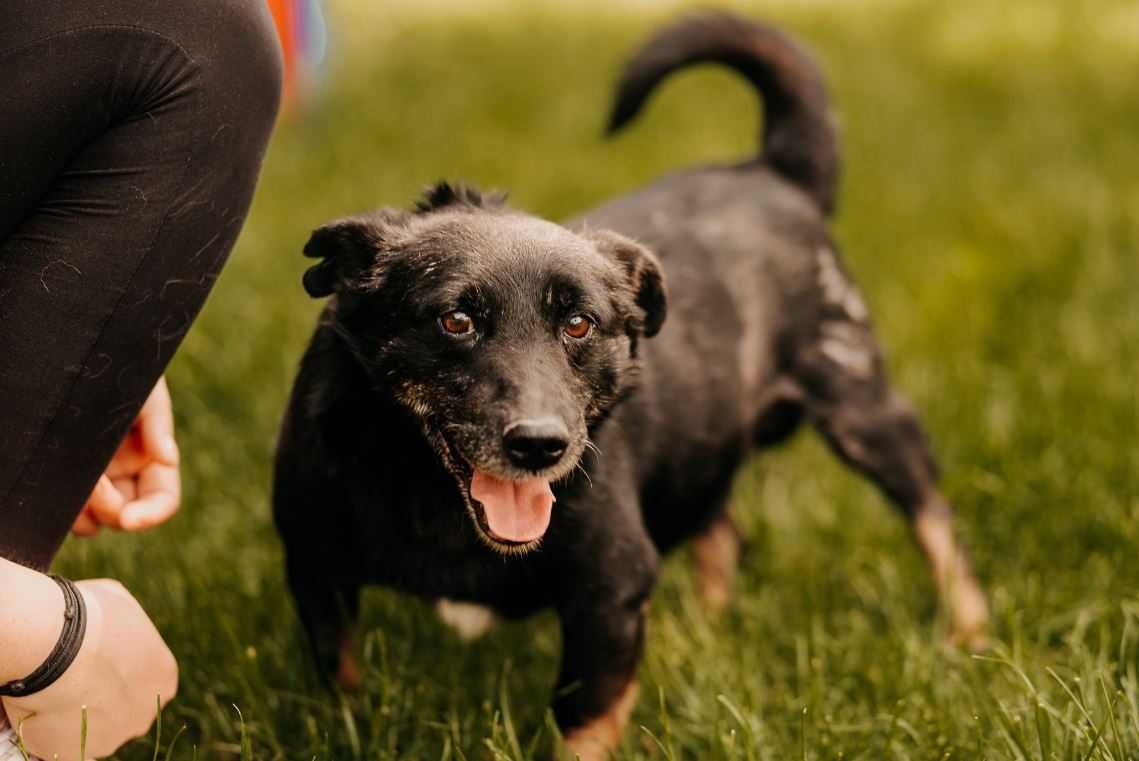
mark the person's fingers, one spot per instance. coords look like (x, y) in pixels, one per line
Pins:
(156, 425)
(159, 497)
(105, 505)
(85, 525)
(150, 438)
(127, 487)
(130, 457)
(104, 495)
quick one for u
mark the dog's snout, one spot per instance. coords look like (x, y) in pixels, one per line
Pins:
(536, 444)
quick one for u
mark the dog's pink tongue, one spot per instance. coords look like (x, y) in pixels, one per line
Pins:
(516, 511)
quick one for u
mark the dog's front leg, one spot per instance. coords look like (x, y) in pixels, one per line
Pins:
(603, 631)
(328, 607)
(597, 687)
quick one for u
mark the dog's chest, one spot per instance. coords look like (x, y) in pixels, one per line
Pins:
(511, 586)
(421, 541)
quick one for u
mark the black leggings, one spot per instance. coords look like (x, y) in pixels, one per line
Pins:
(131, 135)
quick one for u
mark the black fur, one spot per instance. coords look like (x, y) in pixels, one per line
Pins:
(764, 330)
(798, 134)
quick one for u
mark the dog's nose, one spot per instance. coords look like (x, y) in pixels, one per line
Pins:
(536, 444)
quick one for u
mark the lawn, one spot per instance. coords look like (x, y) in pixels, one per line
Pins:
(990, 211)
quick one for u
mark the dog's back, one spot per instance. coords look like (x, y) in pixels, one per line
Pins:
(738, 243)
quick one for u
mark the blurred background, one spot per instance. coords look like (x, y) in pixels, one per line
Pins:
(990, 212)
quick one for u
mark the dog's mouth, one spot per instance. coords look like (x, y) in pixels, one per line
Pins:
(514, 513)
(511, 516)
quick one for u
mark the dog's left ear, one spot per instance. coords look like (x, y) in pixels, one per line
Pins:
(644, 273)
(350, 251)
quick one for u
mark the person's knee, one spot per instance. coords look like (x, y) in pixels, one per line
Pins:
(223, 54)
(240, 60)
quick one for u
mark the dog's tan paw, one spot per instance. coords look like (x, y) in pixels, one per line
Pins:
(969, 615)
(597, 739)
(348, 674)
(957, 588)
(716, 553)
(469, 621)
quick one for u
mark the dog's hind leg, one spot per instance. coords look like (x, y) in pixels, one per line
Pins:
(876, 431)
(716, 550)
(716, 556)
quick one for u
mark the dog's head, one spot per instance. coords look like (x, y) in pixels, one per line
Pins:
(507, 336)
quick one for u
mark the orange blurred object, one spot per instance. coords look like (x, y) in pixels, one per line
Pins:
(282, 15)
(300, 25)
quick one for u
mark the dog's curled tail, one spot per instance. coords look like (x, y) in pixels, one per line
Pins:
(798, 136)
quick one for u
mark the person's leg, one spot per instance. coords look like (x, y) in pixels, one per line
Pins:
(131, 135)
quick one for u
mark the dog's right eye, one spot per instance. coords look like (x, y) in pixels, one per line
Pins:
(457, 323)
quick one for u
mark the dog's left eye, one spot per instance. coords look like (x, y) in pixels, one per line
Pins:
(579, 326)
(457, 323)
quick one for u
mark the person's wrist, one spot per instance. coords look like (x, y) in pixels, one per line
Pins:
(31, 620)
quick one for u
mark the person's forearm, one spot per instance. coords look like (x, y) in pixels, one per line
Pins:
(31, 619)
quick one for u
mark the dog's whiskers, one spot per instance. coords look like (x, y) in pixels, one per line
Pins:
(584, 472)
(591, 446)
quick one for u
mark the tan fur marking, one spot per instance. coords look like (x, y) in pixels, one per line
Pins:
(845, 345)
(957, 587)
(348, 673)
(595, 740)
(716, 553)
(837, 288)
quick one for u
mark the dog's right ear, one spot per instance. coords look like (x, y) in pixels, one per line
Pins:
(645, 277)
(351, 251)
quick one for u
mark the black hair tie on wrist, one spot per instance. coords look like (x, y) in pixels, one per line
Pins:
(61, 658)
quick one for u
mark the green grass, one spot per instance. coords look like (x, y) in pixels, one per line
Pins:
(989, 211)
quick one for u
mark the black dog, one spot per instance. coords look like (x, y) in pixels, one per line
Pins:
(475, 364)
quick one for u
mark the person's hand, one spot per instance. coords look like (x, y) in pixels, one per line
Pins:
(121, 673)
(142, 486)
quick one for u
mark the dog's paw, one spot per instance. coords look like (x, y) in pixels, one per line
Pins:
(597, 739)
(469, 621)
(348, 673)
(716, 555)
(969, 612)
